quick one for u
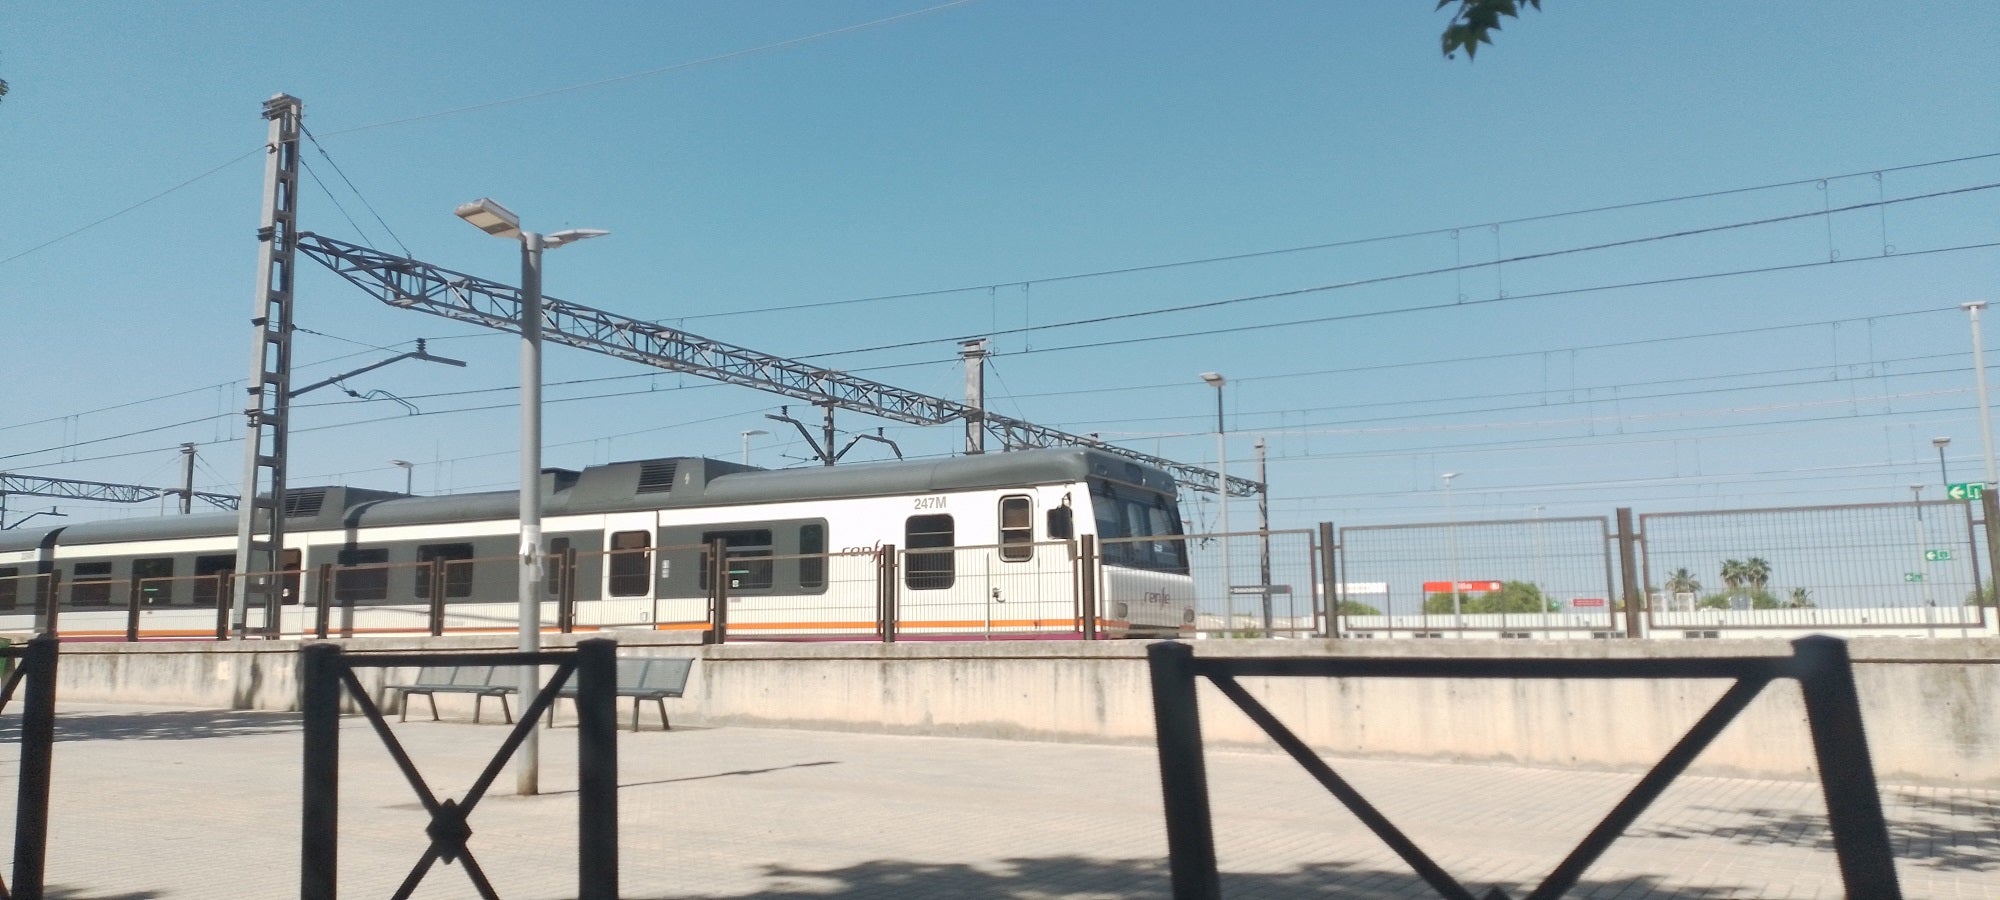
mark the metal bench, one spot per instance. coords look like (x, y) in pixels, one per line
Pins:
(642, 678)
(479, 681)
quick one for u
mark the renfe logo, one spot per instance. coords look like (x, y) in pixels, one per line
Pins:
(1464, 587)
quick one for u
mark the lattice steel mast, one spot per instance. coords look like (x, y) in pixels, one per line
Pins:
(412, 284)
(260, 521)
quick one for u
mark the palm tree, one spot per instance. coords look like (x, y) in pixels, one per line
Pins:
(1682, 581)
(1757, 572)
(1733, 574)
(1801, 598)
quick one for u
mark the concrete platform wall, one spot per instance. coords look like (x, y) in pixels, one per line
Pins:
(1929, 705)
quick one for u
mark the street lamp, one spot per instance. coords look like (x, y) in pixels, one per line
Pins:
(747, 435)
(409, 469)
(1451, 541)
(501, 222)
(1979, 376)
(1944, 480)
(1215, 380)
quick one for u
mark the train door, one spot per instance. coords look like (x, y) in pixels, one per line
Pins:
(626, 593)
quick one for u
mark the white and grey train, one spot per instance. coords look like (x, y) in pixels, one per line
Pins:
(972, 546)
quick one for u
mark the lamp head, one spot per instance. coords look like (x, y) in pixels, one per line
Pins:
(571, 236)
(1214, 379)
(401, 463)
(489, 216)
(1940, 442)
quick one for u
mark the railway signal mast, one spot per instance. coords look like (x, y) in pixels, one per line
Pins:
(260, 520)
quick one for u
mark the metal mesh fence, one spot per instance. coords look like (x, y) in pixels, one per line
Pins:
(836, 596)
(1891, 565)
(1519, 577)
(1020, 588)
(1246, 584)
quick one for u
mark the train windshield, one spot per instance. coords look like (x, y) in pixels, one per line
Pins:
(1124, 512)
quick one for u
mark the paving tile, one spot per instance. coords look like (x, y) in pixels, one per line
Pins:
(164, 803)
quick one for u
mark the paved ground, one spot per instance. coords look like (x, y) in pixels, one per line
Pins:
(202, 804)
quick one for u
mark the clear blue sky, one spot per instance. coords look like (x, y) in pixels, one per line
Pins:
(1003, 146)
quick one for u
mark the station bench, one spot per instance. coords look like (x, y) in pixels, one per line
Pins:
(479, 681)
(642, 678)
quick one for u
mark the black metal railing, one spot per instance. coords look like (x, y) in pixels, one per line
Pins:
(326, 670)
(1820, 665)
(34, 663)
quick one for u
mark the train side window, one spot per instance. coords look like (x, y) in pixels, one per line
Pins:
(90, 584)
(1017, 528)
(10, 587)
(936, 569)
(631, 563)
(208, 570)
(155, 578)
(812, 556)
(456, 560)
(361, 575)
(748, 553)
(557, 565)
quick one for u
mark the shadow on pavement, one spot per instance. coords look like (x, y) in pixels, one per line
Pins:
(1133, 879)
(166, 725)
(58, 892)
(1969, 842)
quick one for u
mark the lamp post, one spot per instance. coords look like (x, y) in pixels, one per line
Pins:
(747, 435)
(1979, 375)
(1971, 532)
(1541, 591)
(1451, 542)
(1215, 380)
(409, 470)
(1923, 552)
(501, 222)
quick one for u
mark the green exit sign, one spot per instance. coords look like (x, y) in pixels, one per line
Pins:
(1971, 490)
(1937, 555)
(1913, 576)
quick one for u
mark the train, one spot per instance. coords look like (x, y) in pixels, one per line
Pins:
(1047, 543)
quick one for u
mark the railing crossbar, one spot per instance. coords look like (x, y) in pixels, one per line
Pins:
(1649, 788)
(328, 672)
(1820, 665)
(1419, 861)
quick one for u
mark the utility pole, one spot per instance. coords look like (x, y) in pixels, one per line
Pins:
(1264, 537)
(975, 353)
(260, 550)
(187, 479)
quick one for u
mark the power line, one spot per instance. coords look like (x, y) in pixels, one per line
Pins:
(1424, 273)
(1434, 307)
(86, 227)
(1331, 245)
(350, 186)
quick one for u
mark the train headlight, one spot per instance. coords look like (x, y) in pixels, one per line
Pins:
(1187, 616)
(1122, 611)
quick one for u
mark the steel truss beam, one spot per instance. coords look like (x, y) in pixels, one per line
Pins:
(412, 284)
(71, 489)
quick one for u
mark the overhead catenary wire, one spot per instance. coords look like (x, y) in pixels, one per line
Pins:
(1331, 245)
(1422, 273)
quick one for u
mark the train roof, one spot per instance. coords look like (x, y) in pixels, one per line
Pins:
(667, 483)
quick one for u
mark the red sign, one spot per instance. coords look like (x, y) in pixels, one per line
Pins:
(1586, 601)
(1464, 587)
